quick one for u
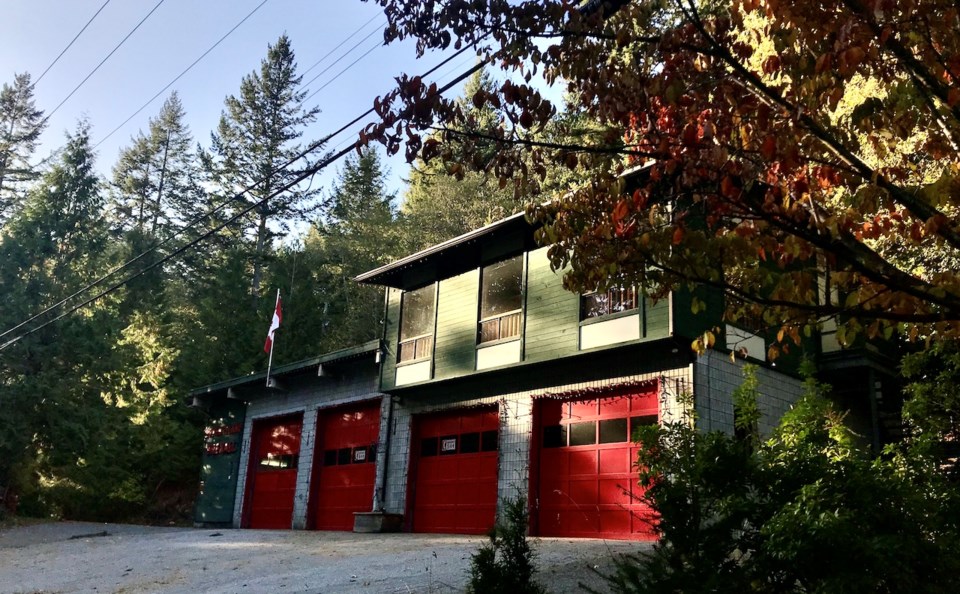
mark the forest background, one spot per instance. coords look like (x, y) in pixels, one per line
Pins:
(93, 416)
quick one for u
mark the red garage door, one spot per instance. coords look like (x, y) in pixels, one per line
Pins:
(455, 489)
(273, 470)
(346, 465)
(587, 481)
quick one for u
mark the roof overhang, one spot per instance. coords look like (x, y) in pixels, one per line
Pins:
(316, 365)
(470, 250)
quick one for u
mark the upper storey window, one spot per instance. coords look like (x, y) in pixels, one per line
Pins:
(416, 324)
(614, 300)
(501, 300)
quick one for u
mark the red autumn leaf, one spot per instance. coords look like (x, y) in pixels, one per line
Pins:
(620, 211)
(690, 135)
(728, 187)
(769, 148)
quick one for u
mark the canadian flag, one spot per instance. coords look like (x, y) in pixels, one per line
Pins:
(277, 316)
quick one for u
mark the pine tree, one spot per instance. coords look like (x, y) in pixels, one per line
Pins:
(156, 179)
(54, 243)
(156, 191)
(20, 126)
(357, 233)
(253, 144)
(439, 203)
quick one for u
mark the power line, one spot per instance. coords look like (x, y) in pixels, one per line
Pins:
(349, 66)
(69, 45)
(345, 54)
(341, 44)
(179, 76)
(113, 51)
(310, 171)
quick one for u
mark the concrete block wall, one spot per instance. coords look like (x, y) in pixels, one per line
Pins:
(516, 428)
(715, 378)
(306, 399)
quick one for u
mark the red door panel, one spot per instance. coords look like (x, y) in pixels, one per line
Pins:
(586, 480)
(455, 487)
(346, 464)
(273, 464)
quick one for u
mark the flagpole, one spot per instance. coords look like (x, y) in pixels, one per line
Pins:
(272, 342)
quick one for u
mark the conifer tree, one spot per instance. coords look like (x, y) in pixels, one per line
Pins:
(252, 147)
(20, 126)
(357, 233)
(156, 178)
(443, 202)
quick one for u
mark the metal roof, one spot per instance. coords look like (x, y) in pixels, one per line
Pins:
(290, 368)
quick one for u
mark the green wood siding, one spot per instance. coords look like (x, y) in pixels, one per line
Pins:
(391, 335)
(456, 334)
(553, 313)
(658, 318)
(219, 468)
(687, 324)
(551, 322)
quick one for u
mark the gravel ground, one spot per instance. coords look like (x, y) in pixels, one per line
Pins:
(114, 558)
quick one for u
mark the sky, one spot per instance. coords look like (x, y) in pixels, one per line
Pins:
(34, 32)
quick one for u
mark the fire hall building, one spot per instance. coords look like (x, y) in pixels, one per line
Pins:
(490, 381)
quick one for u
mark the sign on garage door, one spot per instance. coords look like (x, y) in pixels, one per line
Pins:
(345, 464)
(275, 455)
(455, 485)
(587, 480)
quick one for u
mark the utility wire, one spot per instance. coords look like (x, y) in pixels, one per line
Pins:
(69, 45)
(310, 171)
(179, 76)
(345, 54)
(341, 44)
(349, 66)
(589, 7)
(113, 51)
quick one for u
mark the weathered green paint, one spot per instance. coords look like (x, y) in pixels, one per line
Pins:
(456, 333)
(551, 322)
(657, 318)
(687, 324)
(553, 313)
(218, 472)
(391, 337)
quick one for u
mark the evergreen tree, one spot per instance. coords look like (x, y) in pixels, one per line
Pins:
(156, 191)
(54, 243)
(20, 126)
(442, 202)
(156, 179)
(253, 144)
(358, 233)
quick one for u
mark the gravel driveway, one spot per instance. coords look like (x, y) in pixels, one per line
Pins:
(115, 558)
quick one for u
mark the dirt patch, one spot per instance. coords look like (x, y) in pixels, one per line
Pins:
(78, 557)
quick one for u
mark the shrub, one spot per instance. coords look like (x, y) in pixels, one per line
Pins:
(804, 511)
(505, 564)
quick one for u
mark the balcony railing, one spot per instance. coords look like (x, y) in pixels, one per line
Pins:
(501, 327)
(418, 347)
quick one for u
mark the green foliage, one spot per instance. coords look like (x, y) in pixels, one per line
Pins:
(21, 124)
(804, 511)
(932, 409)
(357, 232)
(444, 200)
(255, 146)
(505, 564)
